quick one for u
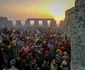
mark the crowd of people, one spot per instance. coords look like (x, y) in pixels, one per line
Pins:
(33, 49)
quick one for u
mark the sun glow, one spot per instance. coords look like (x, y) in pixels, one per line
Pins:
(23, 9)
(58, 9)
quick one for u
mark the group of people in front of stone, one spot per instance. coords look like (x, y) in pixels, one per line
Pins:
(33, 49)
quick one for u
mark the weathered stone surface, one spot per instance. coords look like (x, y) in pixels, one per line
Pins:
(78, 36)
(44, 22)
(53, 23)
(18, 24)
(62, 26)
(81, 68)
(10, 24)
(5, 22)
(27, 23)
(65, 25)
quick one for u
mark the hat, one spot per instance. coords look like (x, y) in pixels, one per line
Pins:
(29, 54)
(12, 61)
(34, 60)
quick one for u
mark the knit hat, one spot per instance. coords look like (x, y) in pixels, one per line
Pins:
(12, 62)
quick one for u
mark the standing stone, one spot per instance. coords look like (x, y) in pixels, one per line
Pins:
(61, 26)
(78, 36)
(18, 24)
(69, 19)
(10, 25)
(36, 23)
(3, 22)
(53, 23)
(27, 23)
(45, 24)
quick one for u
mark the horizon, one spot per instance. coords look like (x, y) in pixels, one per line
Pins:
(21, 10)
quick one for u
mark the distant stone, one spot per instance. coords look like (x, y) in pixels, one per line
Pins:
(65, 25)
(18, 24)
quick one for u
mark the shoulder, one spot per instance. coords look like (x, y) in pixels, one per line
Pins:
(12, 69)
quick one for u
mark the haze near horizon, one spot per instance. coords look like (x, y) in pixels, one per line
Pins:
(23, 9)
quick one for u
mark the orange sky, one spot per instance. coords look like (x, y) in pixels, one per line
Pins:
(23, 9)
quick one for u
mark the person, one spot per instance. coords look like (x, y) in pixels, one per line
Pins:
(52, 54)
(12, 63)
(39, 58)
(18, 63)
(45, 66)
(1, 58)
(46, 55)
(53, 65)
(38, 68)
(14, 47)
(36, 49)
(33, 65)
(6, 41)
(64, 64)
